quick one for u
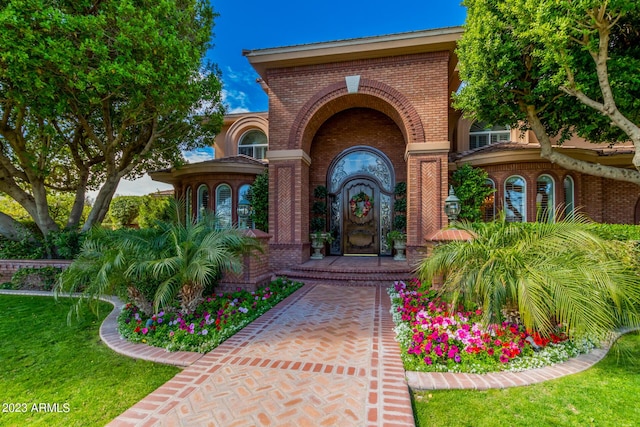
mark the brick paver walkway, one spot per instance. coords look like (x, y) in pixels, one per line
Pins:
(326, 356)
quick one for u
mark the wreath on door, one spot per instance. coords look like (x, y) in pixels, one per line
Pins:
(360, 204)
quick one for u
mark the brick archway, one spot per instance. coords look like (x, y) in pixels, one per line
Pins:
(371, 94)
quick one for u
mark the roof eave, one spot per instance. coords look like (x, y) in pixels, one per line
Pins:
(442, 39)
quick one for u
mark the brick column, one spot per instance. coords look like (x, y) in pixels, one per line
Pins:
(427, 182)
(255, 269)
(288, 208)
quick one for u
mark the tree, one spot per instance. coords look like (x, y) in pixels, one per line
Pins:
(557, 67)
(95, 91)
(471, 188)
(551, 273)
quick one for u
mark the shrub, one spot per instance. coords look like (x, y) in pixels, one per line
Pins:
(43, 278)
(470, 186)
(549, 272)
(258, 195)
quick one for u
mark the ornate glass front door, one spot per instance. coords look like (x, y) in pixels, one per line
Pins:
(360, 184)
(361, 218)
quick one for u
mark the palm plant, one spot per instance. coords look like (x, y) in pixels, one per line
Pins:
(180, 258)
(101, 267)
(551, 273)
(187, 256)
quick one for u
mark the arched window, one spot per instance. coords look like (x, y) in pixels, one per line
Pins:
(223, 206)
(488, 207)
(203, 200)
(545, 201)
(243, 191)
(569, 197)
(482, 134)
(515, 199)
(243, 194)
(254, 144)
(187, 202)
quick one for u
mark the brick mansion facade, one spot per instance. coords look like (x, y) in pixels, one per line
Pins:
(360, 116)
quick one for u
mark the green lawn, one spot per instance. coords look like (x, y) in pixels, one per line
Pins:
(45, 361)
(604, 395)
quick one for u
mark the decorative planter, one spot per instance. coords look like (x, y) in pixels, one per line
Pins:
(317, 243)
(400, 246)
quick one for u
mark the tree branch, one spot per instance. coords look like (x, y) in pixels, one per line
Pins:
(548, 152)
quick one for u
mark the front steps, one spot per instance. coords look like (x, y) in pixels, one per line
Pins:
(350, 271)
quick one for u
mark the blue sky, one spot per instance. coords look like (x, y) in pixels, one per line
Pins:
(251, 24)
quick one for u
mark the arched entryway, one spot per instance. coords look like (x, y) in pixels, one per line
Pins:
(360, 183)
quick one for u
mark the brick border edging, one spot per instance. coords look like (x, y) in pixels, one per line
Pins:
(457, 381)
(110, 336)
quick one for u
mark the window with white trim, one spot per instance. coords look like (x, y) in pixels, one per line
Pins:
(515, 199)
(488, 207)
(254, 144)
(223, 206)
(482, 134)
(545, 200)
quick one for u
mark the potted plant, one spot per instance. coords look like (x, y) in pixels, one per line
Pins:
(398, 240)
(318, 234)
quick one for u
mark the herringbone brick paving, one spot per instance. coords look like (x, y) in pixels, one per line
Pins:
(324, 357)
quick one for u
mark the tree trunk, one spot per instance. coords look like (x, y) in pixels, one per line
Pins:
(191, 296)
(140, 300)
(13, 230)
(101, 205)
(548, 152)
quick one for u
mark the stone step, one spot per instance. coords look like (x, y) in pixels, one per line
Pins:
(351, 278)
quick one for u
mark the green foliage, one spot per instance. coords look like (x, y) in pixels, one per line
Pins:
(400, 190)
(533, 64)
(153, 210)
(400, 222)
(73, 366)
(319, 208)
(622, 232)
(43, 278)
(92, 93)
(64, 244)
(550, 272)
(318, 224)
(400, 205)
(320, 192)
(179, 259)
(395, 235)
(258, 195)
(124, 210)
(470, 186)
(21, 249)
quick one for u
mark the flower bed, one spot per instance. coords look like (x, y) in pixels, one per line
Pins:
(216, 319)
(435, 338)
